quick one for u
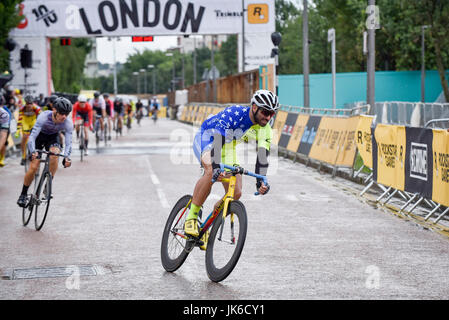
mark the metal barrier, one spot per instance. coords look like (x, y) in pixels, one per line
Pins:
(358, 109)
(415, 114)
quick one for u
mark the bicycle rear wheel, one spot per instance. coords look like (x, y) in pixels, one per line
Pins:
(27, 211)
(226, 241)
(105, 133)
(81, 143)
(174, 247)
(43, 197)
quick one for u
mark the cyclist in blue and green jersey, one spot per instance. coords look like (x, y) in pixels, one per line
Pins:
(215, 142)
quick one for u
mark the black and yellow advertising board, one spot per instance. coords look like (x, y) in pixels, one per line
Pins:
(419, 161)
(297, 132)
(281, 117)
(389, 155)
(412, 159)
(334, 142)
(309, 134)
(363, 139)
(287, 129)
(440, 184)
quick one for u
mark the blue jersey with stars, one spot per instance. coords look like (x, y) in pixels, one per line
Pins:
(231, 123)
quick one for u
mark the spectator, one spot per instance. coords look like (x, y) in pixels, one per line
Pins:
(41, 101)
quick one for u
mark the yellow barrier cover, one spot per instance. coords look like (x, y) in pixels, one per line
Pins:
(298, 130)
(334, 142)
(440, 192)
(281, 116)
(391, 143)
(364, 140)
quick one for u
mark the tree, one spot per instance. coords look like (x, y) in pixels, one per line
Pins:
(437, 14)
(227, 56)
(67, 64)
(10, 18)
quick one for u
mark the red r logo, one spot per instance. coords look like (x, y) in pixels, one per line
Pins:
(23, 23)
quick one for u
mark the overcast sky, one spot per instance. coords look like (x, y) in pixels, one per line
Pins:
(125, 47)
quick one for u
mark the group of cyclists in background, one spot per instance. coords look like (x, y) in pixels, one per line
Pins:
(103, 115)
(100, 113)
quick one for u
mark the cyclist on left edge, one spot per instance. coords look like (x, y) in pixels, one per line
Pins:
(45, 133)
(27, 118)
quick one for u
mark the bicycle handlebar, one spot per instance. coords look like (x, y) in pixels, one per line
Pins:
(240, 170)
(50, 153)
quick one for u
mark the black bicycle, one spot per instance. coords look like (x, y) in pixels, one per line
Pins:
(39, 200)
(82, 143)
(139, 116)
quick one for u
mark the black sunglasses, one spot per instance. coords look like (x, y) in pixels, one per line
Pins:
(267, 113)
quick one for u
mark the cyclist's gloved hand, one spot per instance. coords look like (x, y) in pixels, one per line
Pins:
(216, 174)
(66, 162)
(261, 187)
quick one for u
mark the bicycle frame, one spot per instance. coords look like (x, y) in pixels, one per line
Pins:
(224, 204)
(39, 173)
(227, 198)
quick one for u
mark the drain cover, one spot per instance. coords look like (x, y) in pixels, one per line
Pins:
(54, 272)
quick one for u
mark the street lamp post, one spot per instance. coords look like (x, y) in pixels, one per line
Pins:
(305, 53)
(135, 73)
(331, 38)
(372, 23)
(144, 80)
(114, 39)
(194, 60)
(276, 39)
(423, 65)
(170, 54)
(214, 89)
(150, 66)
(243, 36)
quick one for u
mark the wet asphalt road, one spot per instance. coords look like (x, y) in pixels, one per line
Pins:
(311, 237)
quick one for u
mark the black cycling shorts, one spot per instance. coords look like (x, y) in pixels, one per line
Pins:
(98, 110)
(84, 116)
(47, 141)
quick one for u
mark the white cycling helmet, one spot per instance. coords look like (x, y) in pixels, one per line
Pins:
(82, 98)
(265, 99)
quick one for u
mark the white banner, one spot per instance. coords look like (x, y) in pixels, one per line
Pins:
(257, 50)
(38, 78)
(85, 18)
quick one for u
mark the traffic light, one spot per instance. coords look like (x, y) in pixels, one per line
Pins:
(142, 38)
(66, 41)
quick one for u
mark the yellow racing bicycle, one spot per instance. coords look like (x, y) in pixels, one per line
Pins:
(227, 236)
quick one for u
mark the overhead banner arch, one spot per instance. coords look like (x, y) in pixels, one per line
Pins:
(43, 19)
(90, 18)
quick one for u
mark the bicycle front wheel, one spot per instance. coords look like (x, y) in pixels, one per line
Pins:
(105, 134)
(82, 142)
(174, 247)
(43, 197)
(27, 211)
(226, 241)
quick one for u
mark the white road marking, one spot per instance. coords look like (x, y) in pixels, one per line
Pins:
(162, 198)
(155, 180)
(291, 197)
